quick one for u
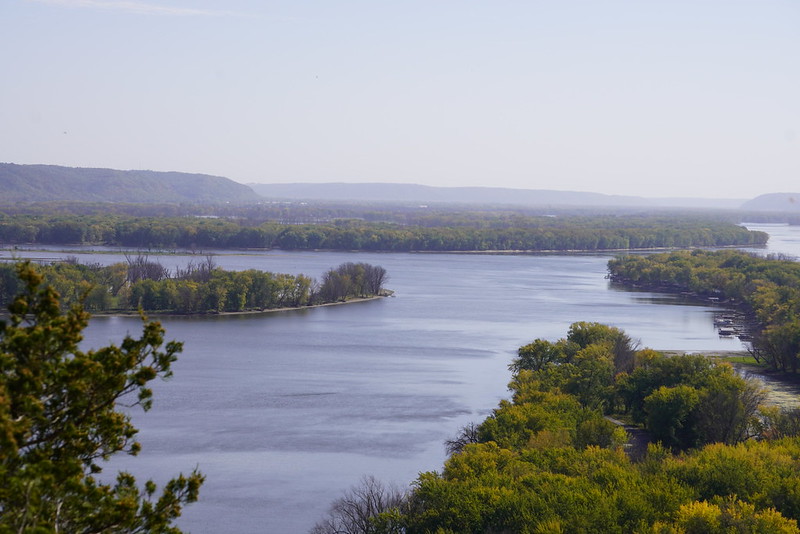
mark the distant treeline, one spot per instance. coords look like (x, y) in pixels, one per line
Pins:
(200, 287)
(440, 232)
(768, 289)
(548, 461)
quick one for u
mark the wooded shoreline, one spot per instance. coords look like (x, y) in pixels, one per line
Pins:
(355, 300)
(384, 233)
(765, 290)
(141, 285)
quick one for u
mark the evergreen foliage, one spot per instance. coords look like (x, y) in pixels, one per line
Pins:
(59, 422)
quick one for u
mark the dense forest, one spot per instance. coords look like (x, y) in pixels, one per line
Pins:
(550, 460)
(767, 289)
(419, 232)
(200, 287)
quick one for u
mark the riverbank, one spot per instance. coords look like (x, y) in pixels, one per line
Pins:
(385, 294)
(110, 249)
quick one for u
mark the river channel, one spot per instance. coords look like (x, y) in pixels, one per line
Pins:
(284, 411)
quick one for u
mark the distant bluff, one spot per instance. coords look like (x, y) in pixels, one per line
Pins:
(774, 202)
(42, 183)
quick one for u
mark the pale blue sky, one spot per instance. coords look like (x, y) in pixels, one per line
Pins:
(653, 98)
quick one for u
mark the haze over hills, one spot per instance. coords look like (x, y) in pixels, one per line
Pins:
(774, 202)
(42, 183)
(382, 192)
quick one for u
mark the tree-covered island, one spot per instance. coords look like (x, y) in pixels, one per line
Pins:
(200, 287)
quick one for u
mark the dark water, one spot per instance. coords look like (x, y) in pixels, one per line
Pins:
(284, 411)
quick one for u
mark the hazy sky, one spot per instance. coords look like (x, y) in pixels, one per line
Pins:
(643, 97)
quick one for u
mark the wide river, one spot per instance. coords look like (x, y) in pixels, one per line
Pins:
(284, 411)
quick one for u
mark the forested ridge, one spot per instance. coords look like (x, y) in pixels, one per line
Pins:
(549, 461)
(199, 287)
(26, 183)
(432, 232)
(768, 289)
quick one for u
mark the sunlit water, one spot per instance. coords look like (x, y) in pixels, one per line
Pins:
(284, 411)
(783, 239)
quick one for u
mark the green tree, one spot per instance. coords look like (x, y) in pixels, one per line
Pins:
(59, 421)
(590, 376)
(728, 411)
(670, 415)
(537, 355)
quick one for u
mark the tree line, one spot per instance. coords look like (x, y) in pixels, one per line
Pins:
(550, 460)
(448, 232)
(199, 287)
(768, 289)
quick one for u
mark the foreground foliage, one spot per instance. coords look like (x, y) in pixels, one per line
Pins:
(549, 461)
(59, 421)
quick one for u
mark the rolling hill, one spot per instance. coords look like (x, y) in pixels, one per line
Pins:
(774, 202)
(42, 183)
(423, 194)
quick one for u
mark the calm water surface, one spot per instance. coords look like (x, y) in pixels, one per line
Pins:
(284, 411)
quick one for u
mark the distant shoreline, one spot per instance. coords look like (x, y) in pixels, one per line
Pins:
(245, 251)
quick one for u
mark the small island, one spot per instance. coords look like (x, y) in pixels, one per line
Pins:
(141, 284)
